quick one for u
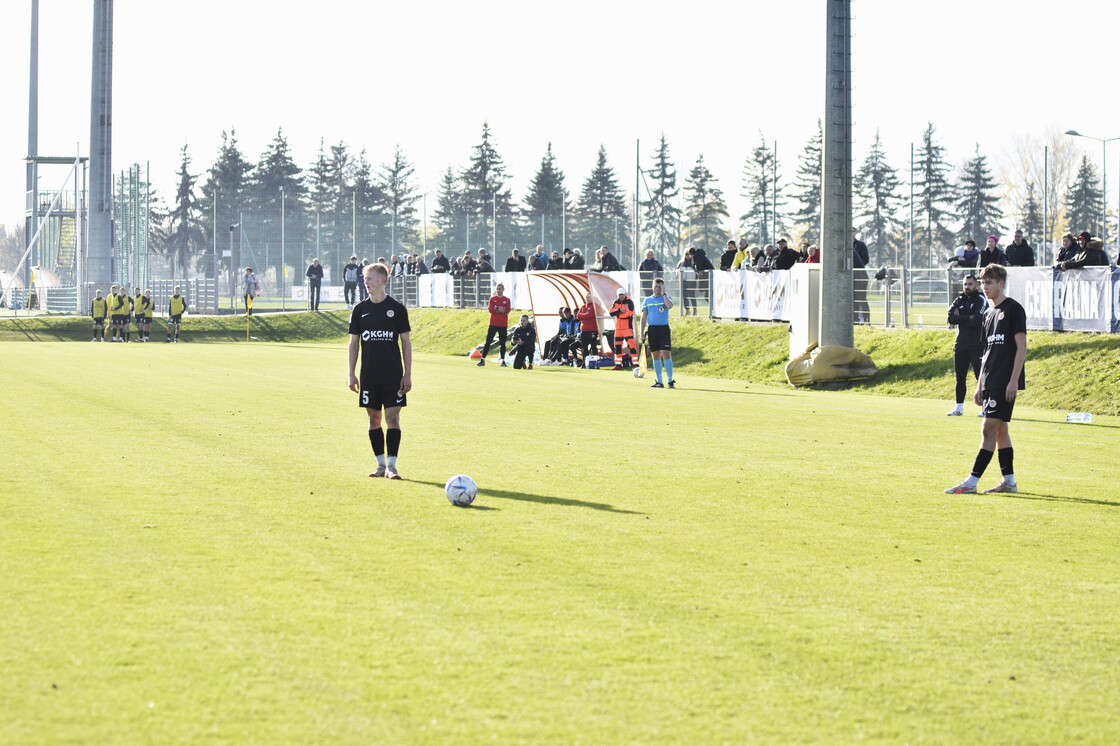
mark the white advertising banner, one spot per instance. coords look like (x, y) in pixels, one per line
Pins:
(1033, 288)
(757, 296)
(435, 290)
(1075, 300)
(767, 295)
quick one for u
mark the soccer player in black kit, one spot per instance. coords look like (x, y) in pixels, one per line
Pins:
(1001, 378)
(379, 328)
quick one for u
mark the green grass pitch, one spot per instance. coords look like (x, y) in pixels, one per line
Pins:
(192, 552)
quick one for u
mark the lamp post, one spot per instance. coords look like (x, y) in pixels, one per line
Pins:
(1104, 181)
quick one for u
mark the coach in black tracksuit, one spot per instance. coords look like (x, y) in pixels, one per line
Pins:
(967, 314)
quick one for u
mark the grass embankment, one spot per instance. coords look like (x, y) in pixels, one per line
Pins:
(1065, 371)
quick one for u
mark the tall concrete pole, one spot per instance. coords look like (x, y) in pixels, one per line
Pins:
(836, 192)
(32, 140)
(99, 263)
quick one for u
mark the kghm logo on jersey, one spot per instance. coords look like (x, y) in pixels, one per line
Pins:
(995, 339)
(378, 335)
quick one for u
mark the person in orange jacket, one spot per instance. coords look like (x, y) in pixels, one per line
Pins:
(623, 312)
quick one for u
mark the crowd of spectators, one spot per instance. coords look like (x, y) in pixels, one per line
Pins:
(1083, 251)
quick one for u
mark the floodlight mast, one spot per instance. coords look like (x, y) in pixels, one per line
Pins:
(99, 262)
(836, 187)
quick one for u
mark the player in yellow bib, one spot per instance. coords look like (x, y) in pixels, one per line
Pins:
(99, 310)
(145, 310)
(138, 308)
(176, 307)
(120, 309)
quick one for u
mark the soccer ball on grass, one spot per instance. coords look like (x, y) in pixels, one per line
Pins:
(460, 490)
(639, 373)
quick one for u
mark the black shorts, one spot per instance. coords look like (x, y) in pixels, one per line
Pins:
(659, 338)
(116, 319)
(994, 404)
(380, 395)
(99, 320)
(176, 319)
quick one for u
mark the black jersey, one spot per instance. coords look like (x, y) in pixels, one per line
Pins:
(380, 326)
(1001, 324)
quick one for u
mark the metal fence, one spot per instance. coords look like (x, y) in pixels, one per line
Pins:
(689, 288)
(895, 296)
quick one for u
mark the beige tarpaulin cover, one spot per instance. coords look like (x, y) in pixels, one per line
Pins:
(829, 363)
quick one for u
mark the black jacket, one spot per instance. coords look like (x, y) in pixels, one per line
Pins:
(515, 264)
(727, 258)
(315, 272)
(555, 263)
(1088, 258)
(1065, 255)
(484, 266)
(575, 261)
(995, 256)
(610, 264)
(967, 314)
(650, 265)
(701, 262)
(1020, 256)
(523, 337)
(440, 264)
(861, 248)
(785, 258)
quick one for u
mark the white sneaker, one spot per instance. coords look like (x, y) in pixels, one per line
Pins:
(955, 413)
(391, 472)
(961, 489)
(378, 472)
(1002, 487)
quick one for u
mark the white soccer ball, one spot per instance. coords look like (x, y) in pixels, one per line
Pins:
(639, 373)
(460, 490)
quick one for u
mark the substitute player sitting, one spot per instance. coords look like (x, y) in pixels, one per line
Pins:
(379, 329)
(655, 312)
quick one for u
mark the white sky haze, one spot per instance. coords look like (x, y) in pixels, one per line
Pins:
(710, 75)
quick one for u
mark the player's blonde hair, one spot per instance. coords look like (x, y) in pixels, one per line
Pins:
(376, 267)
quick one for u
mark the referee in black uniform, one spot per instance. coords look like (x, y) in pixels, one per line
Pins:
(379, 329)
(1001, 378)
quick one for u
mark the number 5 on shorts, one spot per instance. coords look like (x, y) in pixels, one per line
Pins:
(365, 398)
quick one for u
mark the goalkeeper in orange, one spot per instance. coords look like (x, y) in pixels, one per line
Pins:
(623, 312)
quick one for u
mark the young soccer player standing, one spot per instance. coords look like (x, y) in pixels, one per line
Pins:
(143, 306)
(379, 329)
(1001, 378)
(120, 308)
(176, 307)
(499, 307)
(149, 314)
(99, 309)
(655, 312)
